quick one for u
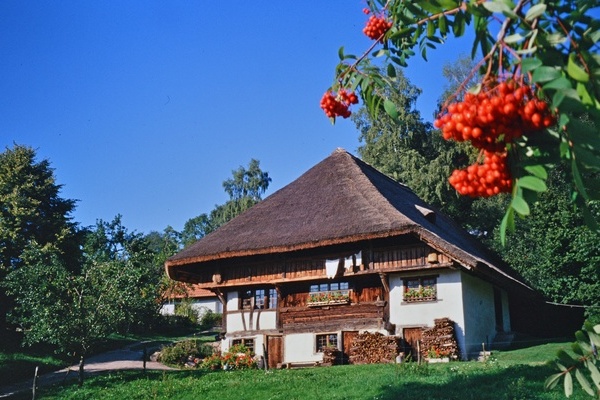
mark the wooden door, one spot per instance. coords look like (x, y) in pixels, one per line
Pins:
(274, 351)
(411, 336)
(347, 340)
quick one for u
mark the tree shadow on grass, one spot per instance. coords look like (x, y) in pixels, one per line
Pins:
(520, 382)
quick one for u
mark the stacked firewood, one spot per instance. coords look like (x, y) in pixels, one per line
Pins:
(373, 348)
(440, 341)
(331, 356)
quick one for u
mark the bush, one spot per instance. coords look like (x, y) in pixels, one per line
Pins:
(186, 309)
(210, 319)
(180, 352)
(174, 324)
(237, 357)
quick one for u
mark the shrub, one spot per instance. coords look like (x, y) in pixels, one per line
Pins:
(210, 319)
(237, 357)
(180, 352)
(186, 309)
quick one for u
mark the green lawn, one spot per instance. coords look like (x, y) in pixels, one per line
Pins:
(516, 374)
(18, 363)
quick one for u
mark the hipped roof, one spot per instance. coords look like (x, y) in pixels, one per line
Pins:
(340, 200)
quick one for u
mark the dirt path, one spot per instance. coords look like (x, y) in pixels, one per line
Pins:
(130, 357)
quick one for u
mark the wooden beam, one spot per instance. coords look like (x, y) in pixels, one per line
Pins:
(384, 281)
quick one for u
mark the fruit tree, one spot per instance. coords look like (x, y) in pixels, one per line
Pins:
(536, 104)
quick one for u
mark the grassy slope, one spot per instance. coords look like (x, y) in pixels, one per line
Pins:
(517, 374)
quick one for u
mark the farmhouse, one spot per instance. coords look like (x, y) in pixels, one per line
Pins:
(344, 250)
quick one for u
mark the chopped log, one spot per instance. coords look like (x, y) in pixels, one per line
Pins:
(440, 341)
(373, 348)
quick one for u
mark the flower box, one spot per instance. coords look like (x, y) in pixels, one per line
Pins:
(327, 302)
(418, 299)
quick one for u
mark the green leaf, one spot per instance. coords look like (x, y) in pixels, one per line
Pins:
(430, 29)
(578, 180)
(552, 380)
(530, 64)
(575, 71)
(587, 158)
(545, 74)
(507, 224)
(498, 7)
(559, 83)
(565, 357)
(537, 170)
(568, 384)
(341, 53)
(535, 12)
(390, 109)
(514, 38)
(458, 27)
(532, 183)
(520, 205)
(594, 373)
(391, 71)
(585, 384)
(583, 134)
(443, 25)
(585, 96)
(595, 338)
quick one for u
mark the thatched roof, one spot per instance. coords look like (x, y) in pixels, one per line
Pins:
(340, 200)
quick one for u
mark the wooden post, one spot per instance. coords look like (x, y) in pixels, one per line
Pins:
(265, 357)
(81, 371)
(419, 351)
(145, 357)
(35, 376)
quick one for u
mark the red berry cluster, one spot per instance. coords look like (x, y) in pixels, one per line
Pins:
(495, 117)
(337, 106)
(490, 120)
(483, 180)
(376, 27)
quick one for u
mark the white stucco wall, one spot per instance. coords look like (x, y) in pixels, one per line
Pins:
(248, 320)
(480, 319)
(251, 320)
(505, 312)
(449, 304)
(201, 305)
(300, 347)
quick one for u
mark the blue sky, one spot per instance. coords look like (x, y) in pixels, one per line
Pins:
(145, 108)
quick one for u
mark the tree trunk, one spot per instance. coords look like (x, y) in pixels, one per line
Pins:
(81, 362)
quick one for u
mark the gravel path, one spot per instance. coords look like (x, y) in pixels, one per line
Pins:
(128, 358)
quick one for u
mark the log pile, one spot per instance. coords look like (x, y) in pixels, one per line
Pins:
(331, 356)
(373, 348)
(440, 341)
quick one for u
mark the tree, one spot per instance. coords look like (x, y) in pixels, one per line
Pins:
(115, 289)
(542, 52)
(245, 189)
(555, 251)
(412, 152)
(536, 107)
(33, 215)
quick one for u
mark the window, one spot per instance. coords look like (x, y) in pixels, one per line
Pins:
(249, 343)
(328, 287)
(258, 299)
(420, 289)
(328, 294)
(326, 340)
